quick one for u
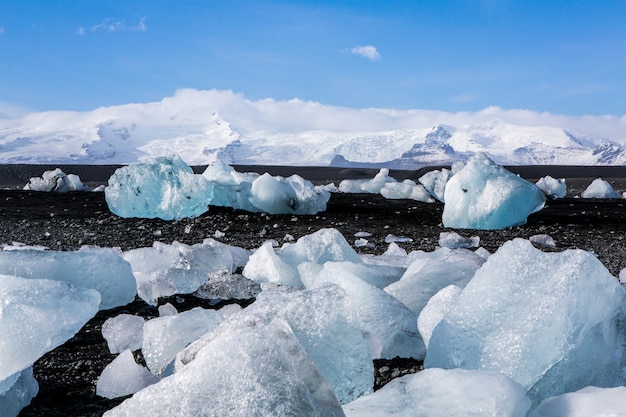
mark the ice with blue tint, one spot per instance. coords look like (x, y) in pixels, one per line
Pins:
(444, 393)
(164, 187)
(390, 327)
(453, 240)
(336, 346)
(123, 377)
(164, 337)
(370, 186)
(407, 190)
(22, 390)
(99, 268)
(600, 188)
(281, 266)
(230, 187)
(435, 182)
(177, 268)
(486, 196)
(38, 315)
(538, 318)
(292, 195)
(552, 187)
(122, 332)
(56, 181)
(435, 309)
(245, 367)
(587, 402)
(432, 271)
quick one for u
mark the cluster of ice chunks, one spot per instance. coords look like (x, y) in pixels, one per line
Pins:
(56, 181)
(167, 188)
(537, 318)
(553, 188)
(387, 186)
(177, 268)
(484, 195)
(37, 315)
(101, 269)
(271, 375)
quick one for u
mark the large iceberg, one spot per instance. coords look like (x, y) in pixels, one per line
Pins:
(486, 196)
(336, 346)
(538, 318)
(444, 393)
(38, 315)
(164, 187)
(98, 268)
(245, 367)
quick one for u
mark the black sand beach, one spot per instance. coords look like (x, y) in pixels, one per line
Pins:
(67, 375)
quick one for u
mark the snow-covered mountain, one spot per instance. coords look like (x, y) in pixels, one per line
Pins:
(204, 126)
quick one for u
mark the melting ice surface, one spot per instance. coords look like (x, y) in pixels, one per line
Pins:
(537, 318)
(486, 196)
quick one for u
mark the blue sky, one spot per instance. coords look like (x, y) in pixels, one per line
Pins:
(563, 57)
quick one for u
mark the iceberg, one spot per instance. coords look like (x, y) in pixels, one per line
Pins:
(432, 271)
(369, 186)
(336, 346)
(177, 268)
(122, 332)
(123, 377)
(245, 367)
(390, 327)
(486, 196)
(407, 190)
(37, 316)
(552, 187)
(444, 393)
(587, 402)
(164, 337)
(163, 187)
(99, 268)
(600, 188)
(537, 318)
(435, 182)
(292, 195)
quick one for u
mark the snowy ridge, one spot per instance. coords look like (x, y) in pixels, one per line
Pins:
(204, 126)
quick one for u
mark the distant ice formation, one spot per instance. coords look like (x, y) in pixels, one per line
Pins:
(600, 188)
(56, 181)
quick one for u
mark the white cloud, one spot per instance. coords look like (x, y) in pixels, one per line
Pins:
(367, 51)
(80, 31)
(1, 30)
(119, 25)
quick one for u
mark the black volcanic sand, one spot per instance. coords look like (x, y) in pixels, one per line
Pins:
(67, 376)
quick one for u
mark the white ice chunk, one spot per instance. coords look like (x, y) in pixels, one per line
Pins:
(600, 188)
(486, 196)
(431, 272)
(122, 332)
(391, 324)
(37, 315)
(536, 317)
(226, 175)
(123, 377)
(99, 268)
(453, 240)
(245, 368)
(435, 182)
(587, 402)
(56, 181)
(164, 269)
(371, 186)
(336, 346)
(407, 190)
(435, 310)
(552, 187)
(163, 187)
(166, 310)
(391, 238)
(164, 337)
(280, 266)
(292, 195)
(20, 394)
(444, 393)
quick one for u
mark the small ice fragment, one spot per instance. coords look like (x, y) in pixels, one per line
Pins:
(123, 377)
(390, 238)
(362, 234)
(124, 331)
(360, 243)
(542, 241)
(453, 240)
